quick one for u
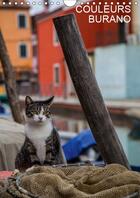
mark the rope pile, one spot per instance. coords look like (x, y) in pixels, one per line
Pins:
(112, 181)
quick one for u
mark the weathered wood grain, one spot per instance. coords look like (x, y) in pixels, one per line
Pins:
(10, 82)
(88, 91)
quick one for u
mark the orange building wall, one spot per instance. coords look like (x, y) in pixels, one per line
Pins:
(49, 54)
(13, 36)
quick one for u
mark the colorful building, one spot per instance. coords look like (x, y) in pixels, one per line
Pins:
(121, 81)
(53, 74)
(15, 25)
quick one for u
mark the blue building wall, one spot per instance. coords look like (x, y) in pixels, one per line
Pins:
(131, 147)
(117, 70)
(133, 71)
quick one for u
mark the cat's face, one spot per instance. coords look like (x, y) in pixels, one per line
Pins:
(38, 111)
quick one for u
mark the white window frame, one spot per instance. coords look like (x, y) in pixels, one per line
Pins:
(55, 43)
(27, 48)
(56, 65)
(26, 24)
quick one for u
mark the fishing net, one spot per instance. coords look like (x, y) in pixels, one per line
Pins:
(111, 181)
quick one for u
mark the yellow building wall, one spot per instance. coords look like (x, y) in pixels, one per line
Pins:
(14, 35)
(2, 89)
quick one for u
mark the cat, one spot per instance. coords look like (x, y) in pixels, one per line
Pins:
(42, 143)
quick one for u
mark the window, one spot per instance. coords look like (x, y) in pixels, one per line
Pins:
(55, 39)
(122, 32)
(22, 21)
(23, 50)
(56, 74)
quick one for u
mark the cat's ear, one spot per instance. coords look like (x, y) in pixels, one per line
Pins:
(28, 100)
(49, 101)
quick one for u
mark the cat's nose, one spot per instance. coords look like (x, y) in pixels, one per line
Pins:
(40, 118)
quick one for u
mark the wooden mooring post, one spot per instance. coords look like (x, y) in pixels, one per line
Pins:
(10, 82)
(88, 91)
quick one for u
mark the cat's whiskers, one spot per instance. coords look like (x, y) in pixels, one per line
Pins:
(40, 136)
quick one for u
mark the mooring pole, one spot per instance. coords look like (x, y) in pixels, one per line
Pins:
(10, 82)
(88, 91)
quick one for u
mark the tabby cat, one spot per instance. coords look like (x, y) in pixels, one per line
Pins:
(42, 143)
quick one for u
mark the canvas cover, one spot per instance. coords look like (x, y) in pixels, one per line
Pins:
(112, 181)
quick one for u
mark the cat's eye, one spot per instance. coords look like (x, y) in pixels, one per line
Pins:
(35, 112)
(47, 114)
(29, 113)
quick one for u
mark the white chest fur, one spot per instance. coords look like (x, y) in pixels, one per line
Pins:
(38, 133)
